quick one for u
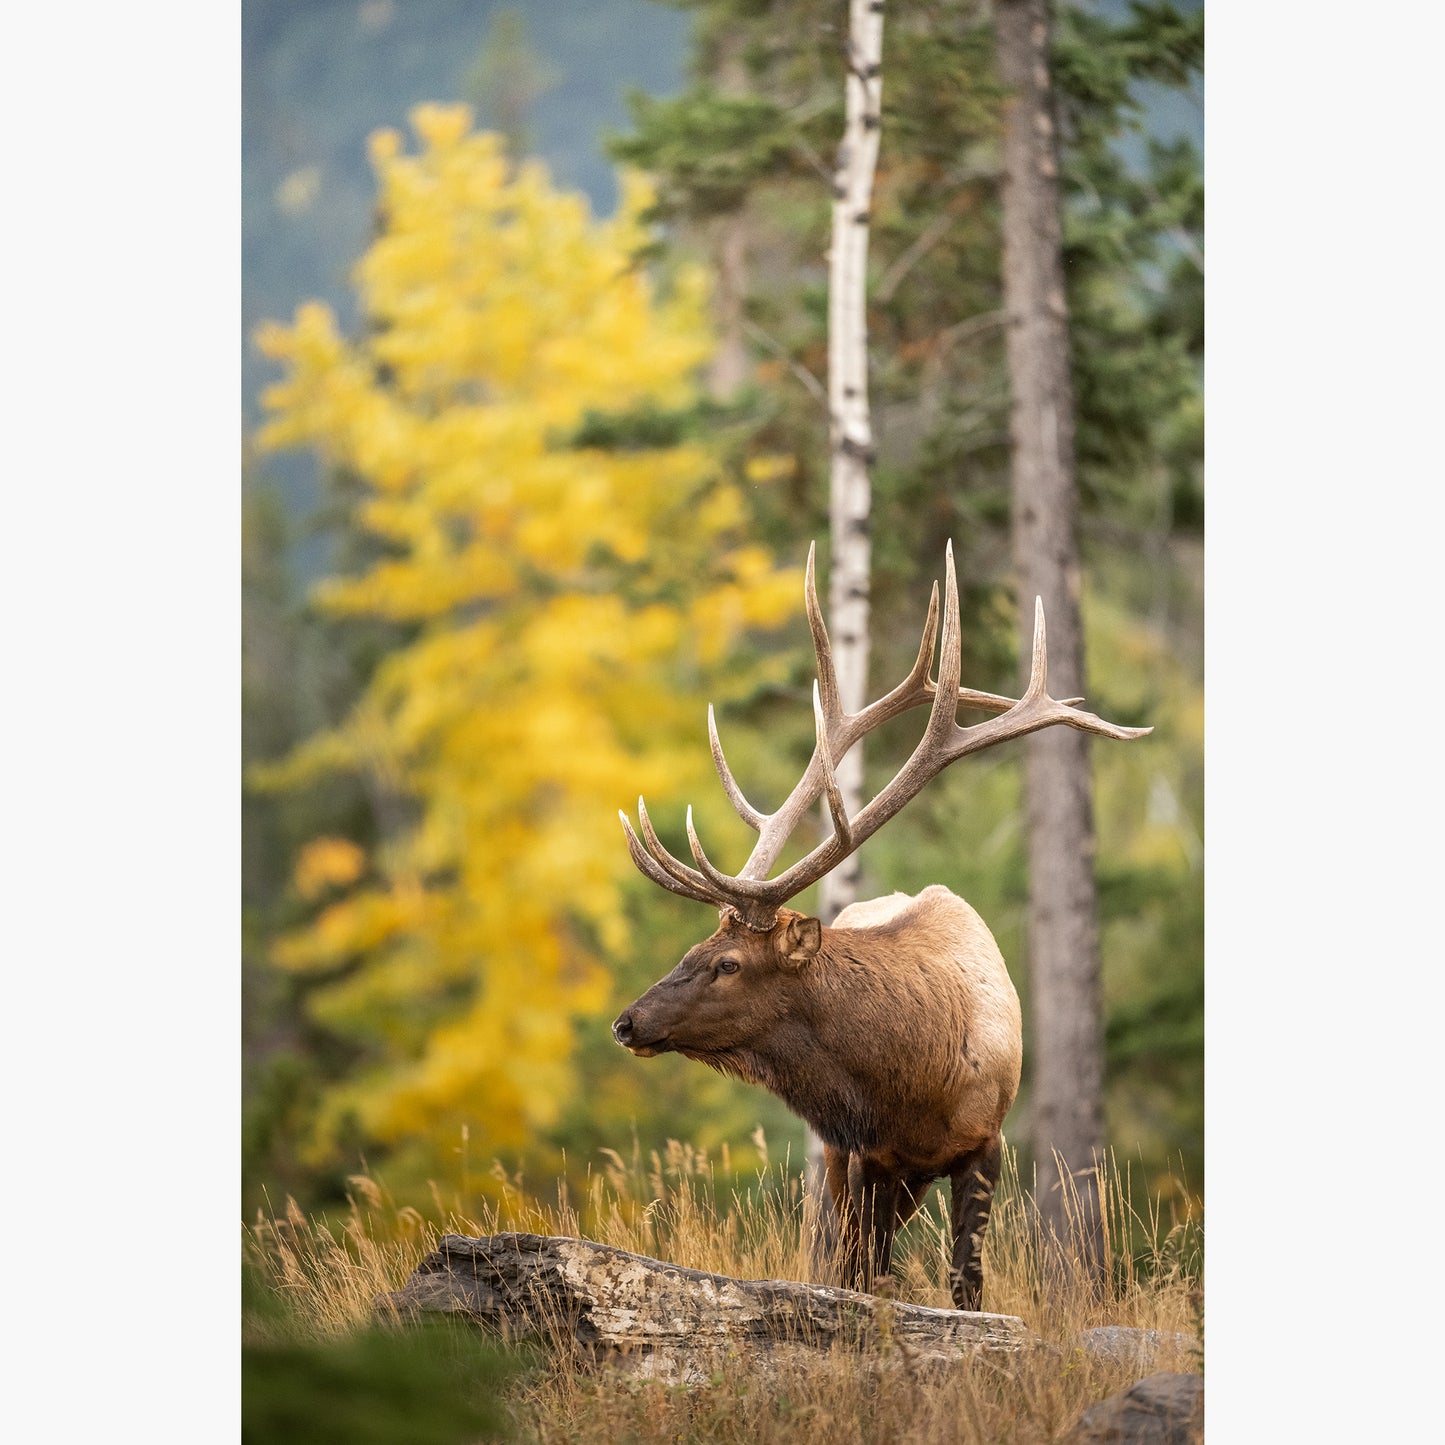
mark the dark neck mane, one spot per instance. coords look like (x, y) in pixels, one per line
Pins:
(800, 1061)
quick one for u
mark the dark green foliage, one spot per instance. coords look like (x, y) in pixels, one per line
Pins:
(433, 1383)
(649, 426)
(1097, 61)
(1133, 255)
(709, 149)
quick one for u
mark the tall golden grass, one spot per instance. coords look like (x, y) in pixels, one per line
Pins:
(682, 1206)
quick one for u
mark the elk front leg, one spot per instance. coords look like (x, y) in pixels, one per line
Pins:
(973, 1180)
(875, 1193)
(849, 1241)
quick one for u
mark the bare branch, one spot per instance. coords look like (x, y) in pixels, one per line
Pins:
(922, 244)
(815, 387)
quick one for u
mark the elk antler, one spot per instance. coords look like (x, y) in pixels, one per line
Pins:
(755, 898)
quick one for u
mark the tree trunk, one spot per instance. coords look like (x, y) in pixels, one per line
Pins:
(850, 495)
(730, 363)
(851, 439)
(729, 368)
(1062, 934)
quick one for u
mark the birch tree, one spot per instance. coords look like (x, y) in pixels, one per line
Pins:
(851, 424)
(850, 495)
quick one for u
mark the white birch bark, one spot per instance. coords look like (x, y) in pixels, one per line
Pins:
(851, 426)
(850, 493)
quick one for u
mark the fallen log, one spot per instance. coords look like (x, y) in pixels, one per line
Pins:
(661, 1321)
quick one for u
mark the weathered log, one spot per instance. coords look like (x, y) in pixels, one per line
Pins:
(662, 1321)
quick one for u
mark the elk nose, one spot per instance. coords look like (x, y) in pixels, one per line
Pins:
(622, 1029)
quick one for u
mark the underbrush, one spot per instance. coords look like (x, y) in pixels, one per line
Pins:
(320, 1276)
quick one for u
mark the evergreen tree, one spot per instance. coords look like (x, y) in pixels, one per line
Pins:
(759, 149)
(1068, 1061)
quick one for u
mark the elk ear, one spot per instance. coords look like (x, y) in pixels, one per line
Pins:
(801, 939)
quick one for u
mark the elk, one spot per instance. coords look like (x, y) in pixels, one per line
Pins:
(895, 1033)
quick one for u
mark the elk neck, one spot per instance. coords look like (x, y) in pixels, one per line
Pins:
(842, 1056)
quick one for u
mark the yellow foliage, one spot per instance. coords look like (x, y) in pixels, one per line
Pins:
(570, 606)
(1163, 784)
(327, 863)
(770, 468)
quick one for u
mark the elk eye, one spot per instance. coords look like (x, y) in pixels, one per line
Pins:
(727, 965)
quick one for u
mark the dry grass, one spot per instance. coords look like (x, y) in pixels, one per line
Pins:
(683, 1207)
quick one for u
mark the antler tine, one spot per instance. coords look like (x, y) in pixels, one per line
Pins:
(745, 810)
(1065, 710)
(1088, 722)
(724, 882)
(756, 899)
(822, 648)
(1036, 709)
(944, 716)
(918, 687)
(987, 701)
(675, 866)
(649, 868)
(1038, 687)
(842, 830)
(924, 661)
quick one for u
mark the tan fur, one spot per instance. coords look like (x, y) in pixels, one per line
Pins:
(900, 1039)
(946, 1043)
(896, 1034)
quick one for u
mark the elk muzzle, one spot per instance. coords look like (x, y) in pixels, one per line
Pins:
(634, 1031)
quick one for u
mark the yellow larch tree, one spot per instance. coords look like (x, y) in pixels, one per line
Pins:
(569, 606)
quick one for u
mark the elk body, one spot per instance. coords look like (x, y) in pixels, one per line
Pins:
(895, 1033)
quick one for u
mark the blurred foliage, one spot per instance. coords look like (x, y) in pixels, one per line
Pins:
(550, 561)
(509, 78)
(565, 606)
(435, 1383)
(709, 148)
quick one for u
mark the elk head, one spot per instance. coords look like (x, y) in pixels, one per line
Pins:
(744, 979)
(726, 994)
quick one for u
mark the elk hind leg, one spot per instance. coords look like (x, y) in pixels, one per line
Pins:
(972, 1181)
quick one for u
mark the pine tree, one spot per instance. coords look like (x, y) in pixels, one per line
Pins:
(940, 391)
(1068, 1056)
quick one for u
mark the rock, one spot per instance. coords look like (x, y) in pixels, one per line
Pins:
(1139, 1348)
(662, 1321)
(1159, 1410)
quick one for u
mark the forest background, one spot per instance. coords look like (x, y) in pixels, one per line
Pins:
(457, 671)
(125, 721)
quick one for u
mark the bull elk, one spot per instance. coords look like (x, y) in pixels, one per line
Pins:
(895, 1033)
